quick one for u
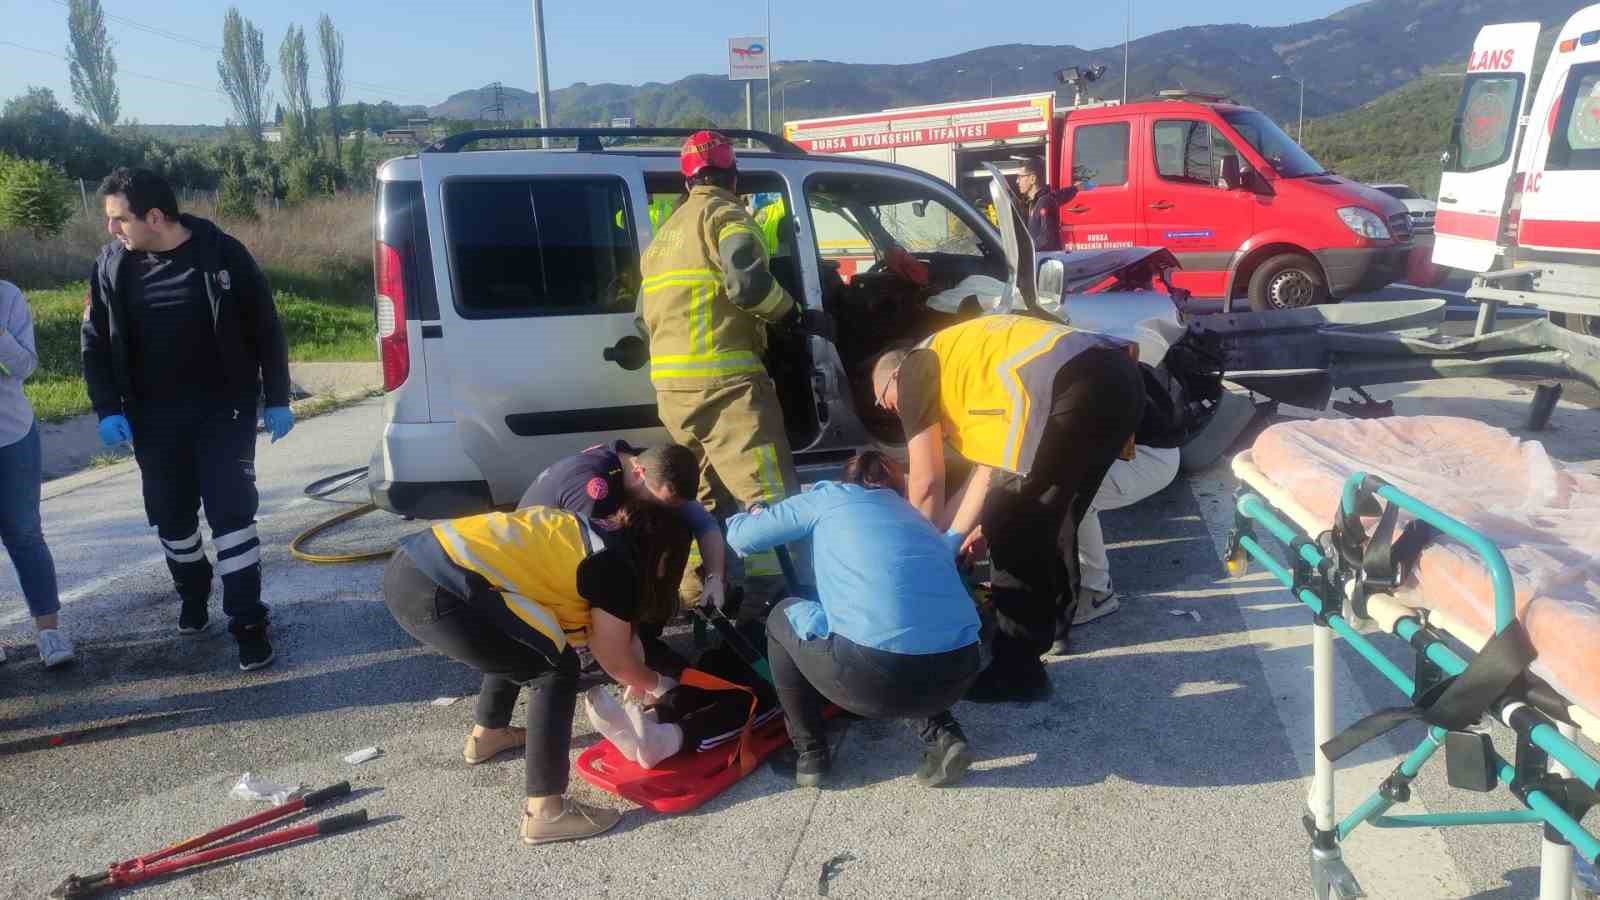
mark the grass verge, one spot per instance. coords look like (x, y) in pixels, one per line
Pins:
(317, 331)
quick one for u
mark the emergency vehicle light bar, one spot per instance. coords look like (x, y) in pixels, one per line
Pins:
(589, 139)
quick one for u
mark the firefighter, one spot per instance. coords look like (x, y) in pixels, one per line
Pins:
(180, 339)
(708, 297)
(1043, 205)
(1042, 410)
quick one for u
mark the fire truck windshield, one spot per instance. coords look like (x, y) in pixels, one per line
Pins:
(1260, 132)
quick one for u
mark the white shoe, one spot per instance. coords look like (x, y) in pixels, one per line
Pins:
(54, 648)
(1093, 604)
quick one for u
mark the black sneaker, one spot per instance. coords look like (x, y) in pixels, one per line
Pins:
(1024, 683)
(810, 768)
(254, 650)
(946, 758)
(194, 618)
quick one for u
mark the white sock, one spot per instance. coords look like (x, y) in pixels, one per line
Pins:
(656, 741)
(610, 720)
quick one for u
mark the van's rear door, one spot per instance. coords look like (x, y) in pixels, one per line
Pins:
(1481, 156)
(537, 276)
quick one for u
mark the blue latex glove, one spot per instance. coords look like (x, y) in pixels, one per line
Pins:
(954, 540)
(115, 430)
(279, 420)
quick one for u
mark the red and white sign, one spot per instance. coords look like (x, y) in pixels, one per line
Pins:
(919, 126)
(1492, 60)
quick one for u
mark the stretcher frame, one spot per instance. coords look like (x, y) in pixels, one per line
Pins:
(1552, 777)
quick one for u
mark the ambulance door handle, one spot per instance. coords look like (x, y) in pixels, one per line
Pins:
(1444, 199)
(1077, 209)
(1161, 204)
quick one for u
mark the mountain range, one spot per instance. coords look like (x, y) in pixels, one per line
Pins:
(1345, 60)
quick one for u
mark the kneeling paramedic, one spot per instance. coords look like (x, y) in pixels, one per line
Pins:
(708, 297)
(893, 633)
(605, 483)
(514, 595)
(1047, 407)
(180, 339)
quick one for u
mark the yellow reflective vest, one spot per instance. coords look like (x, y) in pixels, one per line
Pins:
(770, 219)
(699, 336)
(996, 380)
(531, 558)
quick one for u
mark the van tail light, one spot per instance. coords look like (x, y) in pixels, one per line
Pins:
(1510, 223)
(393, 347)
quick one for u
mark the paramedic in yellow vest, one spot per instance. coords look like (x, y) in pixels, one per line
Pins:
(769, 218)
(1041, 410)
(514, 595)
(708, 297)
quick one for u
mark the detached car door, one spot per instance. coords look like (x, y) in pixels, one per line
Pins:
(1482, 153)
(537, 278)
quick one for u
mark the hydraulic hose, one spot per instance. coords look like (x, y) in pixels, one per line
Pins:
(323, 489)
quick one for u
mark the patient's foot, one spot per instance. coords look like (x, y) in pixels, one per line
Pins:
(657, 741)
(610, 720)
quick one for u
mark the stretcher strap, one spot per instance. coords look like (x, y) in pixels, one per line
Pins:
(1456, 702)
(745, 757)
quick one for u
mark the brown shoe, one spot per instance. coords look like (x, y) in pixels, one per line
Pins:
(576, 822)
(492, 743)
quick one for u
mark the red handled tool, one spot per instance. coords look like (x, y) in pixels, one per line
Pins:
(187, 853)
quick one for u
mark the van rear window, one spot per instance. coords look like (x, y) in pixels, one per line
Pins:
(1575, 143)
(1100, 154)
(540, 246)
(1485, 124)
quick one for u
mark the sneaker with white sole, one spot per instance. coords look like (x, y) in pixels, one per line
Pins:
(1094, 604)
(54, 648)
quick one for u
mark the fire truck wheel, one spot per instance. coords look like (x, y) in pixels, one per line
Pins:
(1287, 281)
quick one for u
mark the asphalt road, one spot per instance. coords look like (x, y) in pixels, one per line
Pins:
(1170, 762)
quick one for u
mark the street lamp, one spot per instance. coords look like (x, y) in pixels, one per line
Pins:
(1300, 130)
(991, 79)
(783, 97)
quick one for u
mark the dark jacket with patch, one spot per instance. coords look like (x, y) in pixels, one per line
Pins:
(255, 356)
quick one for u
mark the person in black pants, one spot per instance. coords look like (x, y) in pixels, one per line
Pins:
(893, 633)
(180, 341)
(1042, 410)
(514, 595)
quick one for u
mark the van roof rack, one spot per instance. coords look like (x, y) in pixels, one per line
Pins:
(1186, 94)
(590, 139)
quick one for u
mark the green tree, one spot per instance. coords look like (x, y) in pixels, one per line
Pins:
(361, 170)
(34, 195)
(244, 71)
(294, 63)
(332, 45)
(90, 64)
(236, 199)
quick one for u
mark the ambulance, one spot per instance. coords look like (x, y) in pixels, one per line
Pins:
(1518, 197)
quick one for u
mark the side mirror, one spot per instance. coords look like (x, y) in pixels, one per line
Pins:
(1052, 287)
(919, 208)
(1231, 178)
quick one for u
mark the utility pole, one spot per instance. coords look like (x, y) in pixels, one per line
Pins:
(749, 112)
(544, 75)
(771, 61)
(1127, 38)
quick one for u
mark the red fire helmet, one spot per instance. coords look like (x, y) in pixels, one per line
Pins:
(705, 149)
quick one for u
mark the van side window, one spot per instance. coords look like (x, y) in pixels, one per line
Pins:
(1100, 154)
(1191, 151)
(1576, 141)
(1485, 123)
(540, 246)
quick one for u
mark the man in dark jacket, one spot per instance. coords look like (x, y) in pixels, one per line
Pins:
(1043, 205)
(180, 340)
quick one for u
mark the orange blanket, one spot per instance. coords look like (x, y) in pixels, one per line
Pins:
(1544, 516)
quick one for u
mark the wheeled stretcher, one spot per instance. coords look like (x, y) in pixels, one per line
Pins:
(1446, 533)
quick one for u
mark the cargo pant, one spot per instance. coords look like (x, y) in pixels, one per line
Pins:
(736, 431)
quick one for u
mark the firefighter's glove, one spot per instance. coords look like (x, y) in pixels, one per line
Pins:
(814, 321)
(715, 594)
(115, 430)
(279, 421)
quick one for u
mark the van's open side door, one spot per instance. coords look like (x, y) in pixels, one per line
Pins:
(1481, 156)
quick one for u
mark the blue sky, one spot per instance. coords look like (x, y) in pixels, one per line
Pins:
(421, 51)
